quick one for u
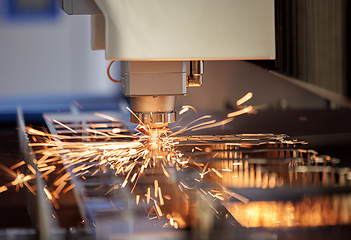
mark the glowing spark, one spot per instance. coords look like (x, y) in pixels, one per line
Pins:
(60, 187)
(63, 125)
(3, 189)
(46, 168)
(131, 157)
(221, 123)
(70, 187)
(133, 178)
(75, 102)
(31, 169)
(218, 173)
(245, 98)
(185, 128)
(158, 209)
(97, 132)
(48, 194)
(53, 215)
(164, 171)
(116, 130)
(156, 187)
(77, 169)
(197, 148)
(112, 119)
(130, 110)
(125, 181)
(61, 179)
(171, 221)
(186, 108)
(17, 165)
(183, 110)
(161, 198)
(30, 188)
(148, 196)
(21, 178)
(240, 112)
(47, 172)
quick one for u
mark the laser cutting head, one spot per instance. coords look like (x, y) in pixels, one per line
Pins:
(154, 38)
(155, 111)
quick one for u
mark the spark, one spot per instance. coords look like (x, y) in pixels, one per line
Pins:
(45, 168)
(186, 108)
(133, 178)
(158, 209)
(47, 173)
(130, 159)
(60, 187)
(97, 132)
(239, 112)
(63, 125)
(148, 196)
(3, 189)
(216, 124)
(167, 197)
(112, 119)
(245, 98)
(218, 173)
(48, 194)
(160, 197)
(61, 179)
(17, 165)
(67, 189)
(75, 102)
(32, 169)
(156, 187)
(116, 130)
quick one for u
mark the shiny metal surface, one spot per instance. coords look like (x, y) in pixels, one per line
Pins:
(153, 110)
(153, 78)
(151, 104)
(195, 77)
(153, 118)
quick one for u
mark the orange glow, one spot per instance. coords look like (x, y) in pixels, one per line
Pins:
(245, 98)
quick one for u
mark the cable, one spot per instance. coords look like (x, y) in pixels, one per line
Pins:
(109, 75)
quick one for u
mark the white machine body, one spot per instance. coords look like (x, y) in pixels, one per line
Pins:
(188, 29)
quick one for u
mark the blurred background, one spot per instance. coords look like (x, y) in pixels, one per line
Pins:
(46, 60)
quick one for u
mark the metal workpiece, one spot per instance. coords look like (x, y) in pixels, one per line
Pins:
(40, 209)
(194, 79)
(153, 78)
